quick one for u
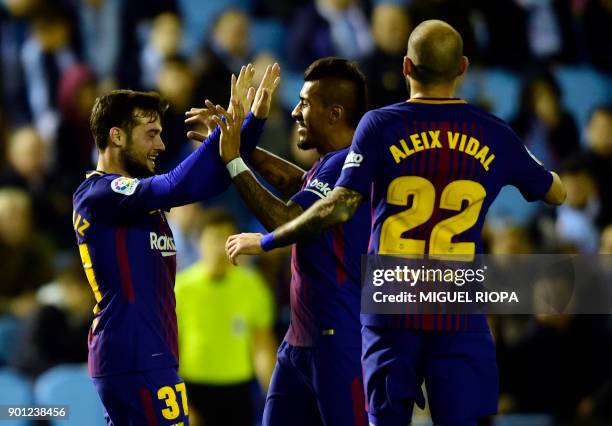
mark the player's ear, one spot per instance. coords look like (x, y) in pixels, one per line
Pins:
(116, 136)
(335, 114)
(463, 66)
(408, 65)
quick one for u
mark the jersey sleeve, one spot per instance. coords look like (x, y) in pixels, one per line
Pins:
(320, 183)
(360, 165)
(200, 176)
(526, 172)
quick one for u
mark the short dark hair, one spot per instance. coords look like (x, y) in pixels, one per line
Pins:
(332, 70)
(116, 109)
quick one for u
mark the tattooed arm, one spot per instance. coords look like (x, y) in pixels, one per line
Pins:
(283, 175)
(338, 207)
(271, 211)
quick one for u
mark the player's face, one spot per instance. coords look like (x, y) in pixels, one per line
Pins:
(311, 116)
(142, 148)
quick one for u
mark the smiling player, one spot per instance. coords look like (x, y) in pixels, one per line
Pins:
(431, 166)
(128, 251)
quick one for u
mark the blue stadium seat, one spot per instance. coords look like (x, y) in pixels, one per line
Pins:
(198, 16)
(9, 331)
(70, 385)
(268, 35)
(15, 390)
(575, 82)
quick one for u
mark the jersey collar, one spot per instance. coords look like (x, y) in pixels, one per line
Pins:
(437, 101)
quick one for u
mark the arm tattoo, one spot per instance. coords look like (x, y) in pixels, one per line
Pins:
(270, 211)
(338, 207)
(283, 175)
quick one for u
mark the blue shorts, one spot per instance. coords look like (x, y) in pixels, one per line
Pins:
(316, 386)
(459, 370)
(148, 398)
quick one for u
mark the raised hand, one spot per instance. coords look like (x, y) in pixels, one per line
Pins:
(263, 97)
(229, 142)
(242, 244)
(241, 88)
(200, 119)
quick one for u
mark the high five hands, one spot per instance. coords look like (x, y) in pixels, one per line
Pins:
(241, 90)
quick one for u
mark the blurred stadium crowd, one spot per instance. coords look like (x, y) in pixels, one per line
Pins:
(543, 65)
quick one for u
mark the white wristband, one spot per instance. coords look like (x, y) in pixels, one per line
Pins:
(236, 166)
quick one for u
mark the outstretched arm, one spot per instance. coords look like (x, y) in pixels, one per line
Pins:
(338, 207)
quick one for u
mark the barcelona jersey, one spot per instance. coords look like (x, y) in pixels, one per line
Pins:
(325, 291)
(432, 168)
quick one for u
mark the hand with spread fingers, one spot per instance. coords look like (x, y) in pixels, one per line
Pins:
(245, 243)
(230, 126)
(200, 119)
(241, 88)
(263, 97)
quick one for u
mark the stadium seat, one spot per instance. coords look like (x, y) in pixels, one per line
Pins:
(268, 35)
(575, 81)
(15, 390)
(70, 385)
(9, 330)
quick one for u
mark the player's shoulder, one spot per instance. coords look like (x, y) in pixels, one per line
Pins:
(486, 117)
(387, 113)
(99, 185)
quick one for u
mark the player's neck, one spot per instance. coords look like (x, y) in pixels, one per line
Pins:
(108, 164)
(443, 91)
(337, 139)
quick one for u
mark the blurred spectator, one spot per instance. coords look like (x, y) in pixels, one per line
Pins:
(599, 140)
(605, 245)
(224, 53)
(225, 317)
(328, 28)
(135, 23)
(45, 56)
(56, 333)
(549, 29)
(98, 17)
(165, 40)
(185, 223)
(576, 217)
(14, 15)
(503, 37)
(75, 144)
(597, 26)
(27, 264)
(176, 82)
(553, 370)
(391, 27)
(546, 127)
(29, 169)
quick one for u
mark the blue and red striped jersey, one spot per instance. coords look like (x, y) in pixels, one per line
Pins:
(325, 279)
(432, 168)
(129, 256)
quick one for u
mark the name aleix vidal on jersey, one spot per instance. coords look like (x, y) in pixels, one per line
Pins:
(163, 243)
